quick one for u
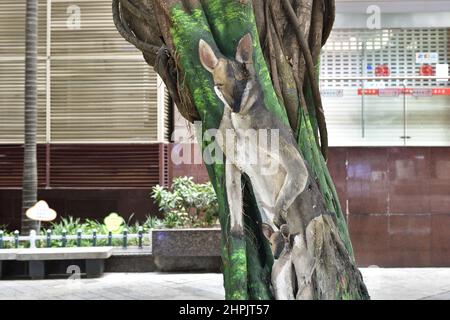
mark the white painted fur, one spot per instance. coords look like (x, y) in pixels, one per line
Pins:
(274, 192)
(283, 276)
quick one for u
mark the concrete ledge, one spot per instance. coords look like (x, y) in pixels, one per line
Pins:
(211, 264)
(8, 254)
(187, 249)
(64, 253)
(130, 264)
(132, 251)
(186, 242)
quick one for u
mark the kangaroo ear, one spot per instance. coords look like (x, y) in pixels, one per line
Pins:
(207, 57)
(267, 230)
(244, 52)
(284, 229)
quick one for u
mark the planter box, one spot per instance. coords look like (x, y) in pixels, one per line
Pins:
(187, 249)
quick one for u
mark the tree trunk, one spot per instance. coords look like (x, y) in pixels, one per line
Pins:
(29, 182)
(284, 32)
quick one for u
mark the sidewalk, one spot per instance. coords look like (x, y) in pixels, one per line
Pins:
(429, 283)
(408, 284)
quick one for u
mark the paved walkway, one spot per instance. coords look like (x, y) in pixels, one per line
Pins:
(382, 284)
(408, 284)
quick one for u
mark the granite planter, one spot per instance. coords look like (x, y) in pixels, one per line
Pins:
(187, 249)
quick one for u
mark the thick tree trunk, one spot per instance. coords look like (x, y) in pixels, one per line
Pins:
(29, 183)
(284, 32)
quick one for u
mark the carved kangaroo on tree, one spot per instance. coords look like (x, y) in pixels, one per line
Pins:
(288, 196)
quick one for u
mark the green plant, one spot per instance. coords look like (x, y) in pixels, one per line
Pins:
(8, 244)
(175, 219)
(153, 223)
(187, 204)
(71, 226)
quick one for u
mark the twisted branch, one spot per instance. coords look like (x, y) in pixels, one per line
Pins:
(157, 56)
(329, 17)
(124, 29)
(304, 46)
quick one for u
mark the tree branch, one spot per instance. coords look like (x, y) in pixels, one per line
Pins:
(311, 71)
(125, 31)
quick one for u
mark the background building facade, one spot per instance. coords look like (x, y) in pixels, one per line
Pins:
(389, 138)
(100, 126)
(104, 128)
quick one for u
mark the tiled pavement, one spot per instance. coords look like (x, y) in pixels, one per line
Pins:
(408, 284)
(429, 283)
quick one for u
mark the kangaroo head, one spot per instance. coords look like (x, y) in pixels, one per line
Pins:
(278, 239)
(230, 75)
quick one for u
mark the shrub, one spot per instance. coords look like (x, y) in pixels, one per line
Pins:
(187, 204)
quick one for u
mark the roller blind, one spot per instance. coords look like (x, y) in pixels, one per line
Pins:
(356, 52)
(12, 69)
(101, 90)
(383, 118)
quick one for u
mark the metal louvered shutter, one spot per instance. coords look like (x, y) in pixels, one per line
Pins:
(12, 69)
(349, 51)
(383, 120)
(95, 88)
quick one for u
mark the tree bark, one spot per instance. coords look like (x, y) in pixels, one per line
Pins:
(287, 37)
(29, 182)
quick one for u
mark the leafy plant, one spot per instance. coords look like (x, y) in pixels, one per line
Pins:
(153, 223)
(72, 225)
(175, 219)
(69, 224)
(187, 204)
(8, 244)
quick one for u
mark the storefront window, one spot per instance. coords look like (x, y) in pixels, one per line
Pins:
(382, 87)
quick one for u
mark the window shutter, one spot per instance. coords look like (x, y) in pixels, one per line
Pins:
(101, 88)
(12, 70)
(357, 52)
